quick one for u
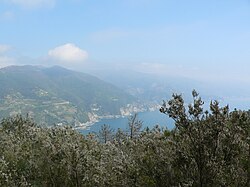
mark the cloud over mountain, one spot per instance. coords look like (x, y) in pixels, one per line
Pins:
(68, 53)
(4, 48)
(5, 60)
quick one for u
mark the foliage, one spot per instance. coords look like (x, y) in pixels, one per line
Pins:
(106, 133)
(134, 125)
(210, 147)
(207, 148)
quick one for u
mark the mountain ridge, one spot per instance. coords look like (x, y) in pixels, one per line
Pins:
(58, 95)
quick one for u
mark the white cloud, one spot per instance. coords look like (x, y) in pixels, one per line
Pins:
(198, 73)
(6, 61)
(4, 48)
(30, 4)
(68, 53)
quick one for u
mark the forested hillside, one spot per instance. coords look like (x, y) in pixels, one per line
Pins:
(207, 148)
(57, 95)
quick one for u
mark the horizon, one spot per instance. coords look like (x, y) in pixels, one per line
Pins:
(205, 41)
(235, 99)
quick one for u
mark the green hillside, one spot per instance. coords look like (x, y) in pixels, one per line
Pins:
(57, 95)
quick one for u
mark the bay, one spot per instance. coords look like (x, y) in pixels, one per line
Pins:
(149, 119)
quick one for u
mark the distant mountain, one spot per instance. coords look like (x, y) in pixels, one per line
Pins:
(158, 87)
(57, 95)
(150, 87)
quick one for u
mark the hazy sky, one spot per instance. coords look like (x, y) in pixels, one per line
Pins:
(205, 39)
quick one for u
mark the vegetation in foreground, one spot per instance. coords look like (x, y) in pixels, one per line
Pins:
(207, 148)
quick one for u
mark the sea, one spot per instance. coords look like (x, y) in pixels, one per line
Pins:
(149, 119)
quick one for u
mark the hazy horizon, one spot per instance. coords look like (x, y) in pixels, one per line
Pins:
(203, 41)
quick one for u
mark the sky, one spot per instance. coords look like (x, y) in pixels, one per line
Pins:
(204, 40)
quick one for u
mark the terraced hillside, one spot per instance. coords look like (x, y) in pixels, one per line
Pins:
(57, 95)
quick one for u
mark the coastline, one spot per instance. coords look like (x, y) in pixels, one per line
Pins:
(125, 112)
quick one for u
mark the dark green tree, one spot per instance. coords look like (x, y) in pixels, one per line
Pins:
(207, 145)
(134, 126)
(106, 133)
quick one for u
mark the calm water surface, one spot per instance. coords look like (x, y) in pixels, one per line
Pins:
(150, 119)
